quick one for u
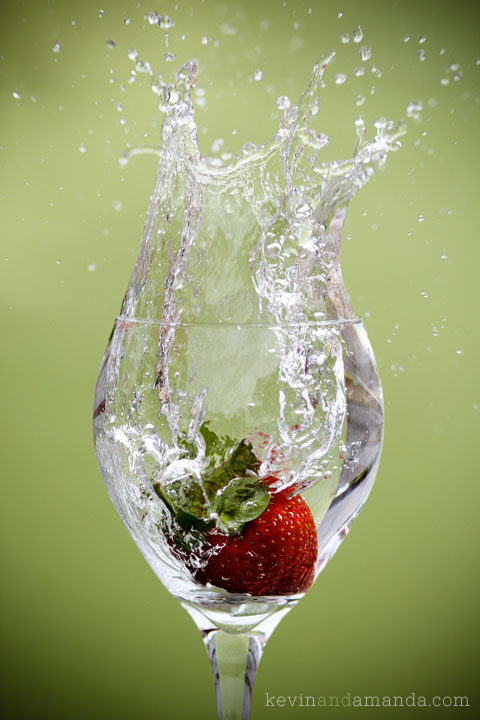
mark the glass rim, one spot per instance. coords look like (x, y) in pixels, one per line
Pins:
(239, 326)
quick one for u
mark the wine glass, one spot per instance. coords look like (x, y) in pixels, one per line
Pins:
(238, 413)
(236, 504)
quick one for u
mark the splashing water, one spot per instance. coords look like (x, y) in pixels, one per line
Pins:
(249, 245)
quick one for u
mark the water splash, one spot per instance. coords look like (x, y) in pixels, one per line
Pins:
(253, 243)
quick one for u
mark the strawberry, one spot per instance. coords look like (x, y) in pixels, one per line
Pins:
(232, 531)
(274, 554)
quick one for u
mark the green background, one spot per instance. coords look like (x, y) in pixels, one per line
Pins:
(87, 629)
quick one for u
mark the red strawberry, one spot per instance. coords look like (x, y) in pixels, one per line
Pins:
(274, 554)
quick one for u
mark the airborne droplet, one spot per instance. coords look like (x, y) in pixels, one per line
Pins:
(357, 34)
(365, 53)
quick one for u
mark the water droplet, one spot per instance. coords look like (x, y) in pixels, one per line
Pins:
(477, 61)
(359, 71)
(169, 56)
(127, 21)
(444, 255)
(345, 38)
(421, 218)
(117, 205)
(101, 13)
(82, 148)
(459, 351)
(360, 100)
(133, 54)
(434, 331)
(227, 29)
(445, 81)
(56, 47)
(406, 38)
(357, 34)
(283, 102)
(458, 76)
(339, 14)
(421, 55)
(92, 267)
(422, 39)
(339, 78)
(424, 293)
(414, 108)
(110, 43)
(165, 22)
(475, 406)
(16, 94)
(365, 53)
(258, 75)
(152, 17)
(204, 40)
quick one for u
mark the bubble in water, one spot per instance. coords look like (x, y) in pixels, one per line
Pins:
(421, 218)
(445, 81)
(422, 39)
(117, 205)
(56, 47)
(365, 53)
(424, 293)
(339, 78)
(127, 21)
(258, 75)
(360, 100)
(442, 51)
(359, 71)
(101, 13)
(16, 94)
(283, 102)
(434, 331)
(345, 38)
(421, 55)
(204, 40)
(169, 56)
(92, 267)
(458, 76)
(339, 14)
(459, 351)
(82, 148)
(444, 255)
(133, 54)
(111, 43)
(357, 34)
(406, 38)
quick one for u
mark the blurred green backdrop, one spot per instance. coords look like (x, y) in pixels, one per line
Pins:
(88, 631)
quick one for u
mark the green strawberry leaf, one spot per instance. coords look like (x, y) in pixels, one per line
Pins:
(229, 488)
(242, 462)
(242, 500)
(186, 520)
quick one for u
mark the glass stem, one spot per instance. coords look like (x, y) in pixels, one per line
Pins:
(234, 659)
